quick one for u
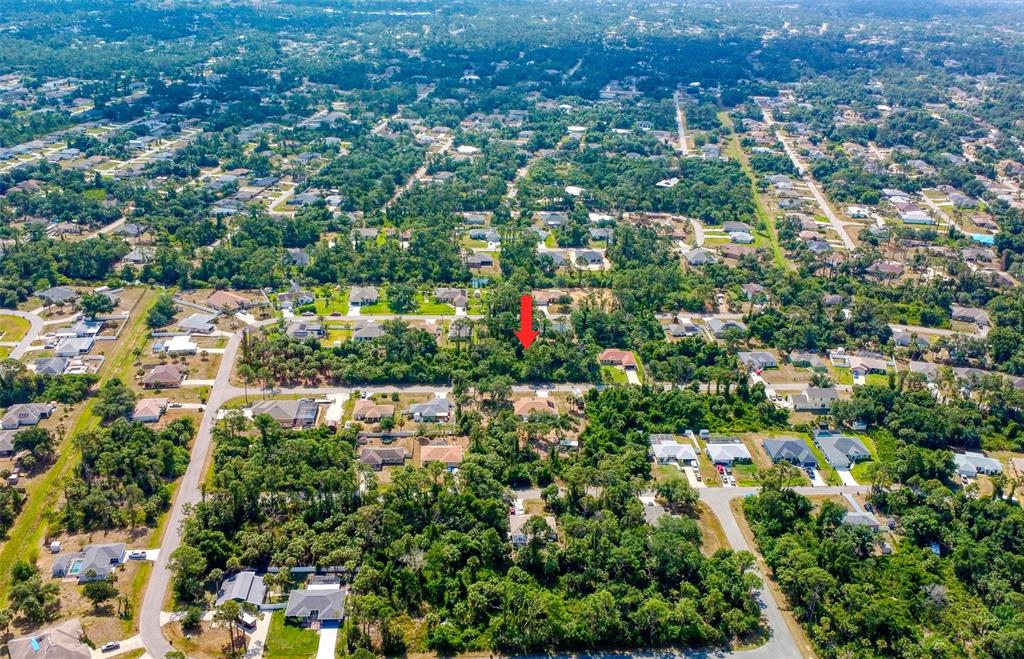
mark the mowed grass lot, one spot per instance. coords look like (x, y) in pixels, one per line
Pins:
(13, 328)
(285, 641)
(43, 495)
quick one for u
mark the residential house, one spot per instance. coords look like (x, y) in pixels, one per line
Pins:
(971, 463)
(198, 323)
(792, 450)
(841, 451)
(163, 376)
(719, 327)
(179, 344)
(683, 329)
(456, 297)
(450, 456)
(727, 452)
(699, 256)
(301, 328)
(139, 256)
(25, 414)
(754, 292)
(758, 360)
(74, 347)
(294, 297)
(525, 408)
(666, 450)
(905, 339)
(300, 413)
(366, 409)
(149, 410)
(815, 399)
(50, 365)
(885, 269)
(970, 315)
(296, 256)
(517, 529)
(227, 301)
(366, 331)
(484, 235)
(57, 295)
(437, 410)
(735, 252)
(378, 457)
(807, 360)
(245, 587)
(7, 443)
(621, 358)
(554, 219)
(63, 641)
(480, 260)
(317, 605)
(589, 258)
(130, 230)
(93, 563)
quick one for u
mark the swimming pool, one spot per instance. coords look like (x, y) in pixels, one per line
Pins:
(983, 238)
(75, 568)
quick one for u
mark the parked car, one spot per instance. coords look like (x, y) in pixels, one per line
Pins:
(110, 646)
(137, 555)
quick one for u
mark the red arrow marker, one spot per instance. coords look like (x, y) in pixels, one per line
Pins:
(526, 334)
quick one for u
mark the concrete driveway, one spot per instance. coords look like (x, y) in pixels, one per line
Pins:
(328, 640)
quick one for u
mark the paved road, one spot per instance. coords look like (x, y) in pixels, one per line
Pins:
(188, 494)
(30, 336)
(812, 185)
(921, 331)
(681, 122)
(698, 233)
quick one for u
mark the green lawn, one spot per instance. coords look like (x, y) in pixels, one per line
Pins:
(426, 306)
(612, 375)
(330, 301)
(876, 379)
(745, 474)
(13, 328)
(843, 376)
(288, 641)
(337, 335)
(864, 472)
(477, 306)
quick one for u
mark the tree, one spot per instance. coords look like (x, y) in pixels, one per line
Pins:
(96, 303)
(227, 615)
(401, 298)
(678, 495)
(115, 401)
(100, 590)
(30, 596)
(162, 311)
(189, 567)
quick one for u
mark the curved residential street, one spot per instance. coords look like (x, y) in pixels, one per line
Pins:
(33, 333)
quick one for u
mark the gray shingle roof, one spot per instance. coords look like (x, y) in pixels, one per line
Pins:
(322, 604)
(242, 587)
(791, 450)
